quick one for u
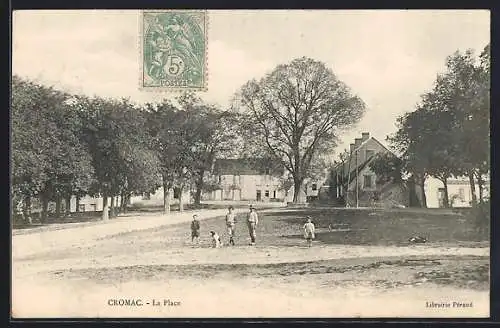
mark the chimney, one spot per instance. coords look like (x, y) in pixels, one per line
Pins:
(357, 142)
(365, 136)
(351, 147)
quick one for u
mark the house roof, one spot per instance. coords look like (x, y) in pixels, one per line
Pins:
(364, 164)
(246, 166)
(338, 165)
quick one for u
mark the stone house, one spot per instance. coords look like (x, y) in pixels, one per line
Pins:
(246, 180)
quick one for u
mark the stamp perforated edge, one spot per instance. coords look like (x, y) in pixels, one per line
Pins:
(140, 24)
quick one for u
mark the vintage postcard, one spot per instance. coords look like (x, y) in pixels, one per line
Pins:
(310, 164)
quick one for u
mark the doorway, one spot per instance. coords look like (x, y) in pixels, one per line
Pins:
(259, 195)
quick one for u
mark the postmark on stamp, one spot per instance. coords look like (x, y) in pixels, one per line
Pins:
(173, 50)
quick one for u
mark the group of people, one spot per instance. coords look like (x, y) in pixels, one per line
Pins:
(252, 220)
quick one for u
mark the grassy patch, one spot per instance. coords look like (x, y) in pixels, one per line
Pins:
(343, 227)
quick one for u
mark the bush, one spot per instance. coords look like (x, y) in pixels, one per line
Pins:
(481, 215)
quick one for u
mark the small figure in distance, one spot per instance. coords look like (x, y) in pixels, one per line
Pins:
(216, 241)
(309, 230)
(195, 229)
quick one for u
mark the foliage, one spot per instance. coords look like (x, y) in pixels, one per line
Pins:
(448, 133)
(388, 168)
(49, 158)
(213, 136)
(296, 112)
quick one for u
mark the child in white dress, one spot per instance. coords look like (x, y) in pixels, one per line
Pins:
(309, 230)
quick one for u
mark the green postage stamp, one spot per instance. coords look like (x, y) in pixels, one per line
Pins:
(173, 49)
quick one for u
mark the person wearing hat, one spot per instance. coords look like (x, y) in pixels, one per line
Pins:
(309, 231)
(252, 221)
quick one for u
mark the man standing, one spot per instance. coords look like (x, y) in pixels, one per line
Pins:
(252, 221)
(230, 224)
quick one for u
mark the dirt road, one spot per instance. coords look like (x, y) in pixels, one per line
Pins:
(160, 267)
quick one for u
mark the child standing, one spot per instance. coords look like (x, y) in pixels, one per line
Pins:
(195, 229)
(309, 231)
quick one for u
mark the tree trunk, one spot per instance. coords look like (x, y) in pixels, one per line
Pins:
(472, 188)
(181, 201)
(122, 202)
(27, 210)
(45, 206)
(413, 200)
(423, 201)
(77, 210)
(68, 205)
(166, 198)
(112, 213)
(126, 202)
(297, 188)
(199, 188)
(480, 184)
(105, 207)
(446, 200)
(58, 206)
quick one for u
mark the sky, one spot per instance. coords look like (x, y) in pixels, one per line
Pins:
(387, 57)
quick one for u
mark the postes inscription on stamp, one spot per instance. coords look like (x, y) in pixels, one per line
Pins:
(174, 49)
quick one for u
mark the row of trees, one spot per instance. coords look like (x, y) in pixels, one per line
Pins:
(447, 135)
(65, 145)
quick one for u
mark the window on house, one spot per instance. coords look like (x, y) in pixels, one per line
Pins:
(314, 187)
(461, 194)
(369, 153)
(368, 181)
(274, 194)
(268, 171)
(266, 193)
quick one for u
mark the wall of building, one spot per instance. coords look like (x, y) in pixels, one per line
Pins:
(459, 192)
(370, 145)
(246, 187)
(90, 204)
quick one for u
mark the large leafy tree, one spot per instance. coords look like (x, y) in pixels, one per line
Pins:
(213, 134)
(49, 158)
(296, 112)
(448, 134)
(166, 125)
(71, 170)
(409, 144)
(32, 137)
(121, 149)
